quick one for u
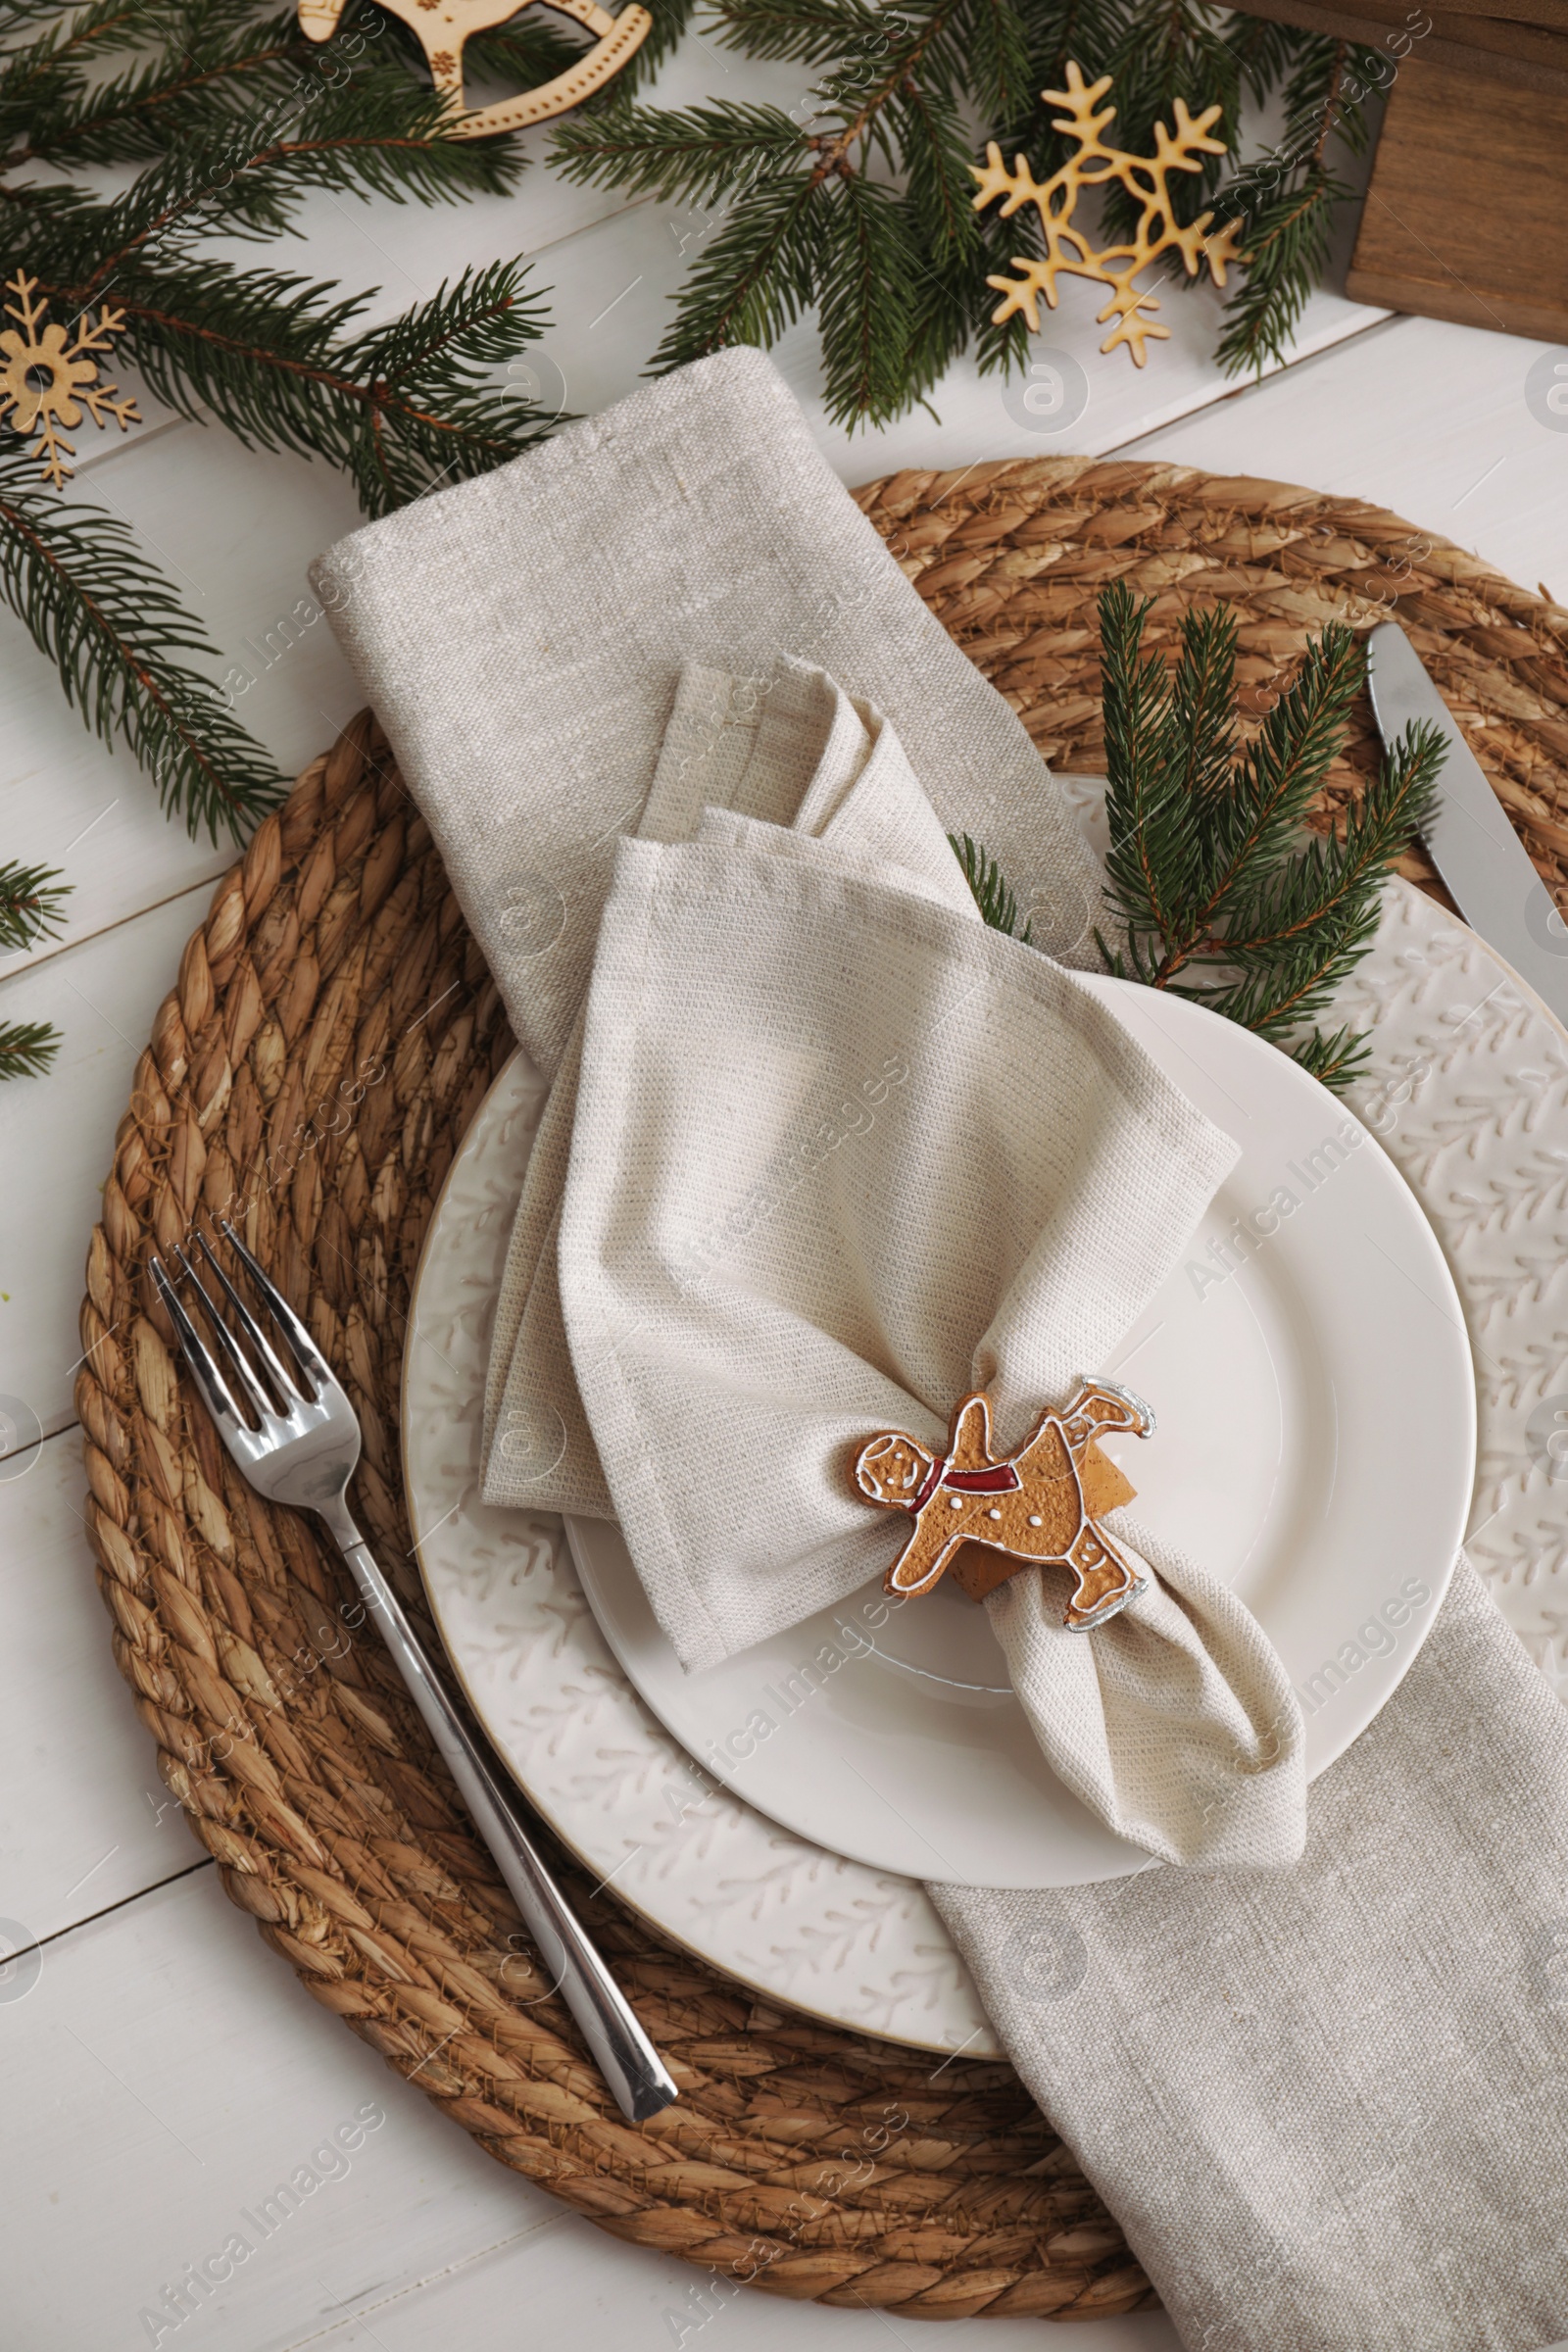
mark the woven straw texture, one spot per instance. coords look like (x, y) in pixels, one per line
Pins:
(330, 1034)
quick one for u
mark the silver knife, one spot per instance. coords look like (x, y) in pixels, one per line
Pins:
(1469, 838)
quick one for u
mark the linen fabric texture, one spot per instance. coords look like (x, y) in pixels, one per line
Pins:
(792, 748)
(840, 1154)
(797, 1019)
(521, 636)
(1329, 2105)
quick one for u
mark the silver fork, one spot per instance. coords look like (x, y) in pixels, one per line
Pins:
(299, 1447)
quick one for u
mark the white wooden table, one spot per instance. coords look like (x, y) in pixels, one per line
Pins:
(160, 2069)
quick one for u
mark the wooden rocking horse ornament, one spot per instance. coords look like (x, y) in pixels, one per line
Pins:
(442, 26)
(1040, 1505)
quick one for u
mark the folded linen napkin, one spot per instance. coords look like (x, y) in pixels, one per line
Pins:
(521, 636)
(1329, 2105)
(793, 749)
(753, 1285)
(1104, 1708)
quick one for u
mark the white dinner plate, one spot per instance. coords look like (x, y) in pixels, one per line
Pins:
(1309, 1371)
(1467, 1091)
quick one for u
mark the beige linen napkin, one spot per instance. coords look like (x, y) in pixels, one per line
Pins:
(1329, 2105)
(792, 748)
(521, 637)
(753, 1285)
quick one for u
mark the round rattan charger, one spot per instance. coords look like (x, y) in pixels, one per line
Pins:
(330, 1036)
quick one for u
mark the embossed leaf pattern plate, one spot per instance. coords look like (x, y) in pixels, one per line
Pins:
(1468, 1093)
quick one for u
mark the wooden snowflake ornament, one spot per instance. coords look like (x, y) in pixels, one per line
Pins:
(47, 379)
(1040, 1505)
(442, 26)
(1069, 250)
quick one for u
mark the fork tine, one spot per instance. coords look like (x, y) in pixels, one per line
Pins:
(213, 1388)
(288, 1386)
(250, 1387)
(288, 1322)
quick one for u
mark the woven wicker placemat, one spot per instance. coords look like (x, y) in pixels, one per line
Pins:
(330, 1034)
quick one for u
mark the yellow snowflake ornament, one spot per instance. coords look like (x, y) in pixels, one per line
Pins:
(47, 381)
(1069, 250)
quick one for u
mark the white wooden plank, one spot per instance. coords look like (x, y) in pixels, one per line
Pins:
(1423, 416)
(84, 1820)
(57, 1138)
(165, 2073)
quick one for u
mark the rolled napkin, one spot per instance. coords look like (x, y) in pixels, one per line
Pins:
(521, 637)
(841, 1155)
(1329, 2105)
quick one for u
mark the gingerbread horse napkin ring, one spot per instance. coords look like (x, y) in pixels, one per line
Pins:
(1040, 1505)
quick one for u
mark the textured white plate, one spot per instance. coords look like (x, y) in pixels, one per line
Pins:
(1469, 1095)
(1310, 1336)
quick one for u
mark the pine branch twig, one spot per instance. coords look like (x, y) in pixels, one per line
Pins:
(87, 595)
(997, 904)
(32, 899)
(218, 116)
(27, 1049)
(1220, 893)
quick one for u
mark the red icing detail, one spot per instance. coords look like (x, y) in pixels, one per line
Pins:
(999, 1478)
(932, 1480)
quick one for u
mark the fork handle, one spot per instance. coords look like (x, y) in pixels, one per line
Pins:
(626, 2058)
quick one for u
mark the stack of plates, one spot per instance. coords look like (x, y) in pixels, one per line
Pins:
(1310, 1367)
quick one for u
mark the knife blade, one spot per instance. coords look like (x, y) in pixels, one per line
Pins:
(1469, 838)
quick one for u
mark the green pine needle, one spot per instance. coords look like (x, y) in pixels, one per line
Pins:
(1221, 894)
(27, 1049)
(128, 139)
(32, 899)
(991, 893)
(857, 202)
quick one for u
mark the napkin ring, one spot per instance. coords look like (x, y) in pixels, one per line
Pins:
(1038, 1505)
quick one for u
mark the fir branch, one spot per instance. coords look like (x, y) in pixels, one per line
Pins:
(272, 358)
(894, 104)
(1329, 885)
(1153, 843)
(375, 136)
(27, 1049)
(214, 62)
(1289, 198)
(757, 276)
(232, 116)
(803, 219)
(31, 901)
(997, 904)
(1172, 50)
(867, 258)
(1252, 824)
(82, 588)
(1221, 895)
(696, 157)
